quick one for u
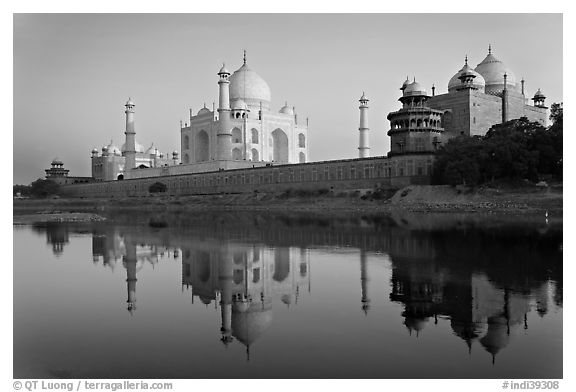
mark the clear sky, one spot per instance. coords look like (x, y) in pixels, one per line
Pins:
(74, 72)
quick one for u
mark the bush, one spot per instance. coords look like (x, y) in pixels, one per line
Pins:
(157, 187)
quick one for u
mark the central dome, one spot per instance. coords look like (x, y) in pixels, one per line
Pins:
(248, 86)
(493, 71)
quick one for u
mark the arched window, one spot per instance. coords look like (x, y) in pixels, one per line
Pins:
(236, 154)
(254, 136)
(255, 155)
(186, 158)
(412, 123)
(419, 123)
(186, 143)
(236, 135)
(280, 146)
(302, 157)
(202, 146)
(301, 140)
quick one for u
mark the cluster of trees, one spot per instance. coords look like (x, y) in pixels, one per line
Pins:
(517, 149)
(38, 188)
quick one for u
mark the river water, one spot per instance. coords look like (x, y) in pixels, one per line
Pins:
(250, 295)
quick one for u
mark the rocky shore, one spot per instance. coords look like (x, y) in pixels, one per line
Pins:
(437, 199)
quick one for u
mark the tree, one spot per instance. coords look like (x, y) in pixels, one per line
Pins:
(44, 188)
(459, 162)
(508, 147)
(557, 113)
(23, 190)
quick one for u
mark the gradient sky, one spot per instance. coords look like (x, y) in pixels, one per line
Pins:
(74, 72)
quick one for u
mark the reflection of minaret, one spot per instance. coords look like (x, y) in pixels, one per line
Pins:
(364, 282)
(225, 278)
(130, 264)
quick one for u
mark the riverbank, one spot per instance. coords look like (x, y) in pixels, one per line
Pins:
(438, 199)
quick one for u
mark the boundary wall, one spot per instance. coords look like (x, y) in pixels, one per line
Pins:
(345, 174)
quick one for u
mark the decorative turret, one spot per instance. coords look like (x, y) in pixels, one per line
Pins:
(415, 128)
(130, 151)
(539, 99)
(363, 144)
(175, 157)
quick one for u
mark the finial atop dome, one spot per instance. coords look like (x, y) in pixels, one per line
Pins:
(466, 60)
(223, 70)
(489, 48)
(244, 57)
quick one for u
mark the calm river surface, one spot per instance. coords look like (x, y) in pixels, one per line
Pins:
(234, 295)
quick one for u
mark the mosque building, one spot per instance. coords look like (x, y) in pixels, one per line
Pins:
(111, 163)
(476, 100)
(245, 146)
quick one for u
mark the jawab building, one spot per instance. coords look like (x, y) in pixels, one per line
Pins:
(245, 146)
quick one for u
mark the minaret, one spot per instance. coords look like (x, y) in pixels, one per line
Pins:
(224, 135)
(130, 146)
(505, 101)
(130, 264)
(364, 143)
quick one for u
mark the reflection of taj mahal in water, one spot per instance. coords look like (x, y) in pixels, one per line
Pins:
(484, 301)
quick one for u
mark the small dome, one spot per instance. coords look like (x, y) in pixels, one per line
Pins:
(455, 81)
(539, 94)
(112, 149)
(287, 109)
(94, 151)
(414, 89)
(406, 83)
(204, 110)
(57, 161)
(130, 102)
(104, 148)
(363, 97)
(174, 152)
(239, 105)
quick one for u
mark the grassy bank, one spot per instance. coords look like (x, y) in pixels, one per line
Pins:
(511, 200)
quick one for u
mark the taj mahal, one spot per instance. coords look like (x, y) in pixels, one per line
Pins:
(245, 146)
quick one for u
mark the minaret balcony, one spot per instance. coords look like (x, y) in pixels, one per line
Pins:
(395, 131)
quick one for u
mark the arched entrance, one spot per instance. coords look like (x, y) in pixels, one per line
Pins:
(280, 146)
(255, 155)
(237, 154)
(201, 147)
